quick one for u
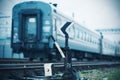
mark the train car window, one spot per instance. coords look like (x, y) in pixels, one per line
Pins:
(54, 24)
(76, 26)
(72, 31)
(82, 35)
(31, 25)
(85, 36)
(94, 41)
(77, 33)
(58, 22)
(97, 42)
(90, 38)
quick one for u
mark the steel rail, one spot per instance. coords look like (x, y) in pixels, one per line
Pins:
(56, 65)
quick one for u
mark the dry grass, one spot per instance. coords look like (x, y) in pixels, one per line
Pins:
(102, 74)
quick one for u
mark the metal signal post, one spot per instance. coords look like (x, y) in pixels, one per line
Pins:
(70, 73)
(68, 63)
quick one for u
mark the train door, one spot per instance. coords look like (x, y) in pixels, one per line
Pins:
(30, 27)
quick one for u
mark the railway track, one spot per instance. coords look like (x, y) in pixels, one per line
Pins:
(29, 69)
(27, 64)
(37, 64)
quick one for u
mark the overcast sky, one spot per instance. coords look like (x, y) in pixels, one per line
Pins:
(94, 14)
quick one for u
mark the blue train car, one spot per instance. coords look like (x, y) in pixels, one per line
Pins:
(117, 50)
(34, 22)
(5, 48)
(6, 51)
(108, 47)
(31, 28)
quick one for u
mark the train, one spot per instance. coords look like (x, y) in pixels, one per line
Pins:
(34, 22)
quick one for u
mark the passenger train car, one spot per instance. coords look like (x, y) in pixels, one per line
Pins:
(34, 22)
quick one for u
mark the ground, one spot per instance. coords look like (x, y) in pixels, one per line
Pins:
(101, 74)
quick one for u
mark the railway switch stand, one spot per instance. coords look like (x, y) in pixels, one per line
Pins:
(70, 73)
